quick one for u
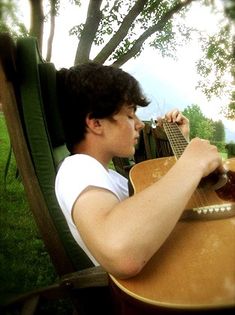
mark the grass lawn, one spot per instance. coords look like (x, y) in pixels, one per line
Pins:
(24, 262)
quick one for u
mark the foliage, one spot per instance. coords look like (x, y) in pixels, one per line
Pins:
(200, 126)
(205, 128)
(218, 51)
(219, 132)
(231, 149)
(122, 29)
(230, 8)
(229, 111)
(9, 21)
(164, 40)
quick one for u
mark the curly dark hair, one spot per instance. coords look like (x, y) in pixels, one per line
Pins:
(96, 90)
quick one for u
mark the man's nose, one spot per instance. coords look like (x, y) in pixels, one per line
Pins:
(139, 124)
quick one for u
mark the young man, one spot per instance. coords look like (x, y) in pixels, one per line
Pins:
(121, 233)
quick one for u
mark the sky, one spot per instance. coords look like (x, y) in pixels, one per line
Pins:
(167, 83)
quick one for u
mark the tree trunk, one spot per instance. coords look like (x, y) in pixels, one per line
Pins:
(37, 19)
(88, 34)
(52, 30)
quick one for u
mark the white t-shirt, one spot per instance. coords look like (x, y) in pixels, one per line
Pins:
(76, 173)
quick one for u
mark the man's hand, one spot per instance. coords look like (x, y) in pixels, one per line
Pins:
(176, 116)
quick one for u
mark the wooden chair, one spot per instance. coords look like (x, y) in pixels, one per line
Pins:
(28, 96)
(156, 142)
(123, 165)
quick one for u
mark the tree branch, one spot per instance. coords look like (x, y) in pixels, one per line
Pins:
(88, 33)
(52, 29)
(121, 32)
(150, 31)
(37, 19)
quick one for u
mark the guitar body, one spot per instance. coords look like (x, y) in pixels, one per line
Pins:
(205, 202)
(194, 270)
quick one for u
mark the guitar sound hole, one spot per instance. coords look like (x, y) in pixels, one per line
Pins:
(227, 192)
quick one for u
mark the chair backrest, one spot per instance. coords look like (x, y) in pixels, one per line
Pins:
(156, 142)
(28, 95)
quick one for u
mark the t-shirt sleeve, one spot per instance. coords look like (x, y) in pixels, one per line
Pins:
(75, 175)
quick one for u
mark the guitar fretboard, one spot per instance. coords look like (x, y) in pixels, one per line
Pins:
(176, 138)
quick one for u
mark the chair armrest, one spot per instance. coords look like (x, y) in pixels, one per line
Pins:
(94, 277)
(90, 277)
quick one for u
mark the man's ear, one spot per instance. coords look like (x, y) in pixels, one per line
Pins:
(94, 124)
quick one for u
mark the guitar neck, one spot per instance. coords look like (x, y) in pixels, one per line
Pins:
(176, 138)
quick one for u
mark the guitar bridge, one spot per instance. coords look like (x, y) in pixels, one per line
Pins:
(210, 212)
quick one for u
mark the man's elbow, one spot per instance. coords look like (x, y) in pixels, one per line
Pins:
(127, 268)
(122, 264)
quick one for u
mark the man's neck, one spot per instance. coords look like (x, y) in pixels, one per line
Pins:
(93, 149)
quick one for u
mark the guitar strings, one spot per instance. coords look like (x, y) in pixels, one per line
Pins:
(199, 197)
(178, 144)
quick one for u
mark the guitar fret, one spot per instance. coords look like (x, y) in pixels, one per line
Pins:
(177, 140)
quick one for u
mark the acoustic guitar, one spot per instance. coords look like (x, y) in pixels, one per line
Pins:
(194, 270)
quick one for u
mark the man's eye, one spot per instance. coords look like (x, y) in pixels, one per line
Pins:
(131, 115)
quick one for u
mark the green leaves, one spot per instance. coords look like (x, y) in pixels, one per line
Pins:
(215, 63)
(200, 126)
(230, 9)
(9, 21)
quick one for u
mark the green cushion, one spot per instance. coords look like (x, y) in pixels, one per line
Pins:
(40, 143)
(47, 74)
(59, 153)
